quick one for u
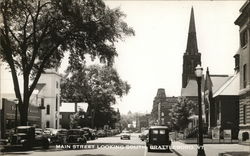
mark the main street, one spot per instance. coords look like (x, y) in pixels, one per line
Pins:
(108, 146)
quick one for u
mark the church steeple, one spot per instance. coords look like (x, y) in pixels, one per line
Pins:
(191, 57)
(192, 41)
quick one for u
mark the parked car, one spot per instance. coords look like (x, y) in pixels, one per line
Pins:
(101, 133)
(125, 135)
(38, 131)
(27, 138)
(59, 136)
(76, 136)
(89, 133)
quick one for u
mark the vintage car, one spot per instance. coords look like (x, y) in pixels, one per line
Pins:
(89, 133)
(27, 138)
(76, 136)
(59, 136)
(125, 135)
(101, 133)
(158, 139)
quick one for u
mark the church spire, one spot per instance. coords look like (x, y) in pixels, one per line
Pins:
(192, 41)
(191, 57)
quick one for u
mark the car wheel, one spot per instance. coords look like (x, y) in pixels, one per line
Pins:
(149, 150)
(26, 146)
(46, 145)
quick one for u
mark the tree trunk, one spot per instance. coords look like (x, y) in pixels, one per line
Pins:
(23, 111)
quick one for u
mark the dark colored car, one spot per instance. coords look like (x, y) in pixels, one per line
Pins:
(125, 135)
(158, 139)
(101, 133)
(89, 133)
(59, 136)
(76, 136)
(27, 138)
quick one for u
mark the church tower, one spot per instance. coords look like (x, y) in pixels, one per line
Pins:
(191, 57)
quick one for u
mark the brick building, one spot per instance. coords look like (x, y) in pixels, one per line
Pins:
(8, 114)
(161, 107)
(243, 62)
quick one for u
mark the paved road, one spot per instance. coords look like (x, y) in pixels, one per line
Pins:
(108, 146)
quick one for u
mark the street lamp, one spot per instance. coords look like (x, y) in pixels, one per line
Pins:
(198, 73)
(16, 101)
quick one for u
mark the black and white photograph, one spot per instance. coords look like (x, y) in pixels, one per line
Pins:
(125, 77)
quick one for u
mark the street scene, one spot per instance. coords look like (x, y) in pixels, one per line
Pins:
(118, 78)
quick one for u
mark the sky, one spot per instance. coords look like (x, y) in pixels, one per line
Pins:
(153, 58)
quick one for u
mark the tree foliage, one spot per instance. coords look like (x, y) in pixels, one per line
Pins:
(99, 86)
(77, 119)
(180, 113)
(35, 34)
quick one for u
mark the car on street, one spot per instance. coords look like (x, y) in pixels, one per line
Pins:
(101, 133)
(89, 133)
(59, 136)
(76, 136)
(26, 137)
(158, 139)
(125, 135)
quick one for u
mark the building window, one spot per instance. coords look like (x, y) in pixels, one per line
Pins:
(57, 84)
(48, 109)
(244, 76)
(243, 38)
(56, 102)
(237, 61)
(47, 124)
(42, 102)
(56, 124)
(244, 114)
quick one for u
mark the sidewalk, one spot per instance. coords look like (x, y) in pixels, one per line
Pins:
(183, 149)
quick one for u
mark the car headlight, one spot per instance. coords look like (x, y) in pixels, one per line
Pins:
(22, 141)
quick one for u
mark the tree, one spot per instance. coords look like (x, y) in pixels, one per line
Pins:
(180, 112)
(77, 119)
(99, 86)
(35, 34)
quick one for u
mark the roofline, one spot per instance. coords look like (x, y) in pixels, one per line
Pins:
(224, 86)
(244, 5)
(158, 127)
